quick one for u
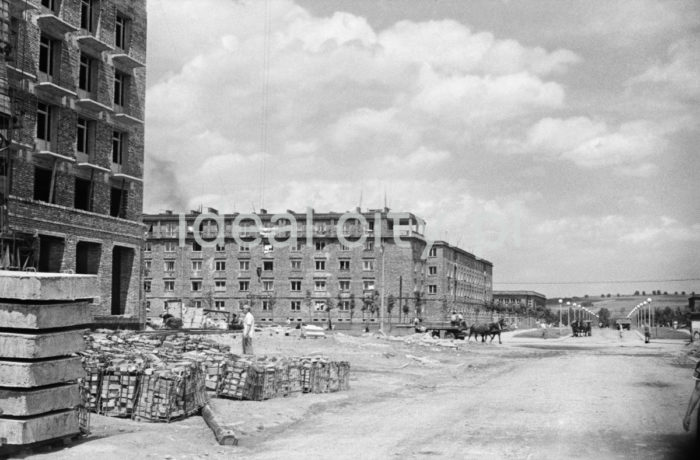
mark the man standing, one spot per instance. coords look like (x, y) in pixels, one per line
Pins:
(647, 333)
(248, 328)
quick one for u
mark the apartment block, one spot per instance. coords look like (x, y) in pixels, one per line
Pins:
(297, 265)
(530, 299)
(71, 164)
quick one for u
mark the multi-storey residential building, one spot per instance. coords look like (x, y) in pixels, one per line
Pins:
(71, 160)
(344, 261)
(529, 299)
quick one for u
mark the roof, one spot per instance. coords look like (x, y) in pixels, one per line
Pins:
(519, 293)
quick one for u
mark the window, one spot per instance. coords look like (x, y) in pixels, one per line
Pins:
(220, 304)
(295, 305)
(50, 4)
(49, 52)
(118, 147)
(369, 245)
(344, 285)
(169, 266)
(296, 286)
(197, 303)
(196, 247)
(85, 138)
(320, 305)
(147, 266)
(297, 246)
(87, 74)
(220, 285)
(433, 252)
(432, 289)
(82, 198)
(244, 265)
(344, 305)
(220, 247)
(43, 185)
(244, 248)
(118, 202)
(266, 305)
(169, 285)
(344, 265)
(432, 270)
(320, 245)
(243, 285)
(320, 285)
(146, 285)
(45, 123)
(121, 32)
(121, 82)
(268, 265)
(268, 285)
(368, 265)
(296, 264)
(169, 246)
(344, 247)
(220, 265)
(320, 265)
(368, 285)
(196, 266)
(89, 13)
(196, 286)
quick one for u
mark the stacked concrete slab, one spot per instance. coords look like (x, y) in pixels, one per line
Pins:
(42, 320)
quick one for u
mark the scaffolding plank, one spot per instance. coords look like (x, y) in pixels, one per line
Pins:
(26, 402)
(19, 374)
(42, 345)
(44, 316)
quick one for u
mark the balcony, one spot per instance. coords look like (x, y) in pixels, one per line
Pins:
(127, 120)
(83, 160)
(88, 101)
(52, 25)
(92, 44)
(126, 177)
(21, 74)
(124, 62)
(52, 89)
(43, 151)
(20, 6)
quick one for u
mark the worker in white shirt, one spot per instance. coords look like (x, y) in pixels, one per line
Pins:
(248, 328)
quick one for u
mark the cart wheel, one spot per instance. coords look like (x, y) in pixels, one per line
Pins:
(449, 335)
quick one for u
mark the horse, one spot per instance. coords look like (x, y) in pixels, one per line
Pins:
(485, 329)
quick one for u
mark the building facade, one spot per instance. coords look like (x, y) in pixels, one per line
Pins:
(71, 165)
(529, 299)
(303, 266)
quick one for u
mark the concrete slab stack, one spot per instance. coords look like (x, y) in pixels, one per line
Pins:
(42, 319)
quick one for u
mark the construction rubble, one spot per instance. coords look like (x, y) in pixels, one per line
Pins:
(161, 378)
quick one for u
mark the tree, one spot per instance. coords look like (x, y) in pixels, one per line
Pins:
(405, 308)
(682, 292)
(618, 294)
(602, 295)
(307, 302)
(586, 296)
(604, 316)
(418, 303)
(352, 306)
(636, 292)
(390, 304)
(608, 295)
(644, 293)
(329, 307)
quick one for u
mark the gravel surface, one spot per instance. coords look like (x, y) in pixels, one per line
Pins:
(599, 397)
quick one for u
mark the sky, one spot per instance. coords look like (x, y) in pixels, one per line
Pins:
(557, 139)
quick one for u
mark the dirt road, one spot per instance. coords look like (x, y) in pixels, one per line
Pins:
(596, 397)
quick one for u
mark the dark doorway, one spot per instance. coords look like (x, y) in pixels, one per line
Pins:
(51, 253)
(122, 263)
(87, 258)
(117, 203)
(43, 180)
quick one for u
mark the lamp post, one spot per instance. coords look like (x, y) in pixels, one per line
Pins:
(651, 315)
(568, 311)
(560, 302)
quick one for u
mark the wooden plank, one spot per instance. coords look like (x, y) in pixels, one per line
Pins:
(36, 346)
(47, 286)
(39, 428)
(25, 402)
(41, 373)
(44, 316)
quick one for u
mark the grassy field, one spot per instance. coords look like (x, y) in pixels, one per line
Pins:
(668, 333)
(549, 333)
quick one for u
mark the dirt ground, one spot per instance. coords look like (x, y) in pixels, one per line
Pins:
(599, 397)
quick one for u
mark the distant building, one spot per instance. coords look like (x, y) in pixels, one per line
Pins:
(530, 299)
(72, 98)
(314, 268)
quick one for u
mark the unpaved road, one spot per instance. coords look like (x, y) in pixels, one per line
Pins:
(597, 397)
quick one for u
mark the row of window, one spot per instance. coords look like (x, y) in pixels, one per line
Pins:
(267, 285)
(47, 131)
(171, 246)
(294, 305)
(268, 265)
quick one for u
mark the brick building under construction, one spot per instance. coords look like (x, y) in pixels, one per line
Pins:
(72, 98)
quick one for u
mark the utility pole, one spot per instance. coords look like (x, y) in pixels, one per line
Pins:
(400, 296)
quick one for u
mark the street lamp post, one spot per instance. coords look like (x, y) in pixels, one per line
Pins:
(651, 315)
(568, 312)
(560, 302)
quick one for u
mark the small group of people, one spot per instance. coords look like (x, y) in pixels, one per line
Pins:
(456, 319)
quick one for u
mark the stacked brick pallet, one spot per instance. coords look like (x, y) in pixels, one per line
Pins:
(42, 316)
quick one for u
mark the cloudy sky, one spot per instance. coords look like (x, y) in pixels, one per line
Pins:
(556, 138)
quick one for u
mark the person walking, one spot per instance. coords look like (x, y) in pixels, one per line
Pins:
(248, 328)
(647, 333)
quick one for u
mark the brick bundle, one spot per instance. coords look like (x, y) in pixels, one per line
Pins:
(233, 383)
